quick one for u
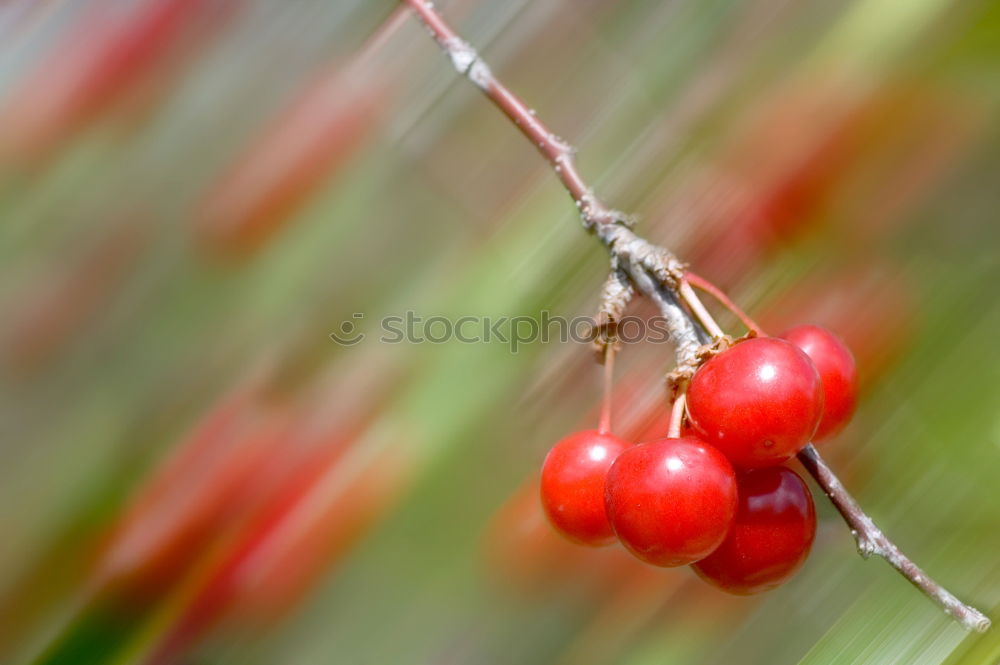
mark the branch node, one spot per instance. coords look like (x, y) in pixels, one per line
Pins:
(677, 381)
(866, 548)
(664, 265)
(615, 297)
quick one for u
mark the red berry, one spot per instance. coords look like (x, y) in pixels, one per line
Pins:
(758, 402)
(837, 371)
(770, 536)
(671, 501)
(573, 485)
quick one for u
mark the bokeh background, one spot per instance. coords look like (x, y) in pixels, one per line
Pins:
(196, 193)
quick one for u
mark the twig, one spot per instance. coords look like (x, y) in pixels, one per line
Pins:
(657, 274)
(558, 153)
(871, 540)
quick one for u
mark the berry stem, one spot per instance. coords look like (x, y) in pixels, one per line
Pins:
(677, 416)
(604, 424)
(658, 274)
(717, 293)
(691, 300)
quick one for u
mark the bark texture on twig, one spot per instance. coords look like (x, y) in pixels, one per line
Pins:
(616, 294)
(871, 540)
(658, 274)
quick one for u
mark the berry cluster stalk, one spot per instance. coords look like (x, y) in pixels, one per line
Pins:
(655, 272)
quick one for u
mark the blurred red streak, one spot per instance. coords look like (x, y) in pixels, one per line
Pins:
(49, 313)
(627, 610)
(161, 530)
(801, 150)
(319, 513)
(527, 554)
(229, 469)
(521, 549)
(257, 501)
(316, 135)
(937, 134)
(97, 62)
(200, 488)
(778, 176)
(870, 304)
(524, 552)
(220, 476)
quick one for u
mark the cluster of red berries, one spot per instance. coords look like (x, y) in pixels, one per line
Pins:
(717, 496)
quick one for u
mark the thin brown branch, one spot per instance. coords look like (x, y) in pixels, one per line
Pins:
(871, 540)
(558, 153)
(656, 273)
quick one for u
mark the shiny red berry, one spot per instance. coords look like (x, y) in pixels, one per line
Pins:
(758, 402)
(837, 371)
(671, 501)
(770, 536)
(573, 485)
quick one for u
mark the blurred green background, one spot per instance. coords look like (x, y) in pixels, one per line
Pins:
(197, 193)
